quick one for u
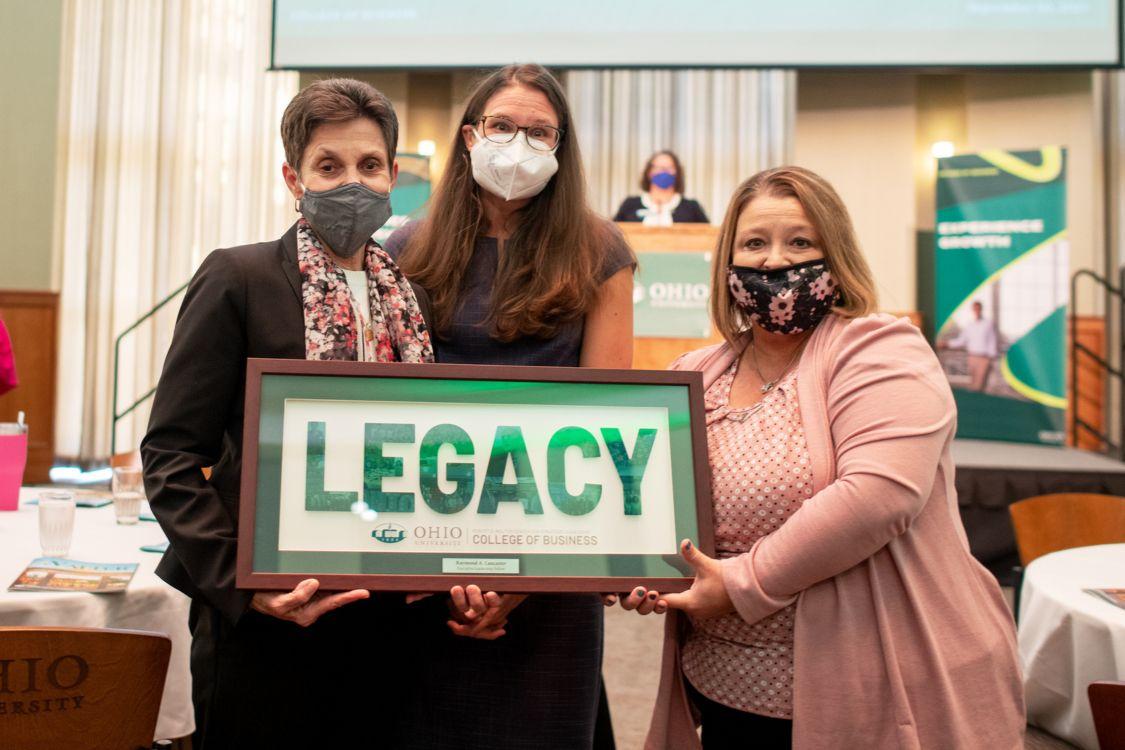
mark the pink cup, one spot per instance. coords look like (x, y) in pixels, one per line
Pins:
(13, 458)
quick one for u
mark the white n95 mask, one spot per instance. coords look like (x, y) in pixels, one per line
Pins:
(511, 170)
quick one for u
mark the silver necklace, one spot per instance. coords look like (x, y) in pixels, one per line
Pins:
(767, 386)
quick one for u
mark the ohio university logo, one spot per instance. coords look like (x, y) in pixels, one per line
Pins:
(41, 686)
(389, 533)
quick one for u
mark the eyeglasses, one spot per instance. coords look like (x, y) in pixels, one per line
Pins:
(502, 130)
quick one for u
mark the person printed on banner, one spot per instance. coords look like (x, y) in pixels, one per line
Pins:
(661, 202)
(979, 340)
(521, 272)
(283, 668)
(843, 607)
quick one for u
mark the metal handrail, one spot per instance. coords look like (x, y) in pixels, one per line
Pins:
(117, 417)
(1112, 293)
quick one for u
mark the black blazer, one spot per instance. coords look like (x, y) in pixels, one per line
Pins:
(242, 302)
(689, 211)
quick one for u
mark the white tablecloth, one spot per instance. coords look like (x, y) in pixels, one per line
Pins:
(1069, 638)
(148, 603)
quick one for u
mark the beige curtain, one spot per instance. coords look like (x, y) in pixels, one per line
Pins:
(168, 148)
(724, 125)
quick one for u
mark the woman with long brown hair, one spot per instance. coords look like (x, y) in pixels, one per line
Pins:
(521, 272)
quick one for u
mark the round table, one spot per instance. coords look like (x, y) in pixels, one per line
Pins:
(147, 604)
(1069, 638)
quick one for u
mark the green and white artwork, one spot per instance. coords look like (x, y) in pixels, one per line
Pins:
(530, 477)
(390, 476)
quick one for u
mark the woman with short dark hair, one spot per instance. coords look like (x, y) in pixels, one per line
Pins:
(273, 668)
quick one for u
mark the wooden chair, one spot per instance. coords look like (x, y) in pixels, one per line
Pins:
(1049, 523)
(80, 687)
(1107, 704)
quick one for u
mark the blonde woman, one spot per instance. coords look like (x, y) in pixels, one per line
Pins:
(844, 608)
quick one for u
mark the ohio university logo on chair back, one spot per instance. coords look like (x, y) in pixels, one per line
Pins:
(78, 687)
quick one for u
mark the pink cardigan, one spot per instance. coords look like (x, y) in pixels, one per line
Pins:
(902, 639)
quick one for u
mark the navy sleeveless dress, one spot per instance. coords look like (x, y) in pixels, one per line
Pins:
(537, 687)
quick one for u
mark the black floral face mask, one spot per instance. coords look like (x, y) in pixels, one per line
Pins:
(784, 300)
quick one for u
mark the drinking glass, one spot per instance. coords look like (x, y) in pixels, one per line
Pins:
(128, 493)
(56, 522)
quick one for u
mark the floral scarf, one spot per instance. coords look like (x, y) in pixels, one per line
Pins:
(398, 332)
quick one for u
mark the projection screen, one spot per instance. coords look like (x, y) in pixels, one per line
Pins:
(335, 34)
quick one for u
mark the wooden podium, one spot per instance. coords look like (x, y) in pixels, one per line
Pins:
(658, 353)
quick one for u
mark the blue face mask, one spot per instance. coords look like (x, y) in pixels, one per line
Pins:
(663, 180)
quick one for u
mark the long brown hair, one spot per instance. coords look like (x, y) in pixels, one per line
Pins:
(548, 272)
(829, 217)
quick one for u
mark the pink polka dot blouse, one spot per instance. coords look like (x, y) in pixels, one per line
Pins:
(760, 475)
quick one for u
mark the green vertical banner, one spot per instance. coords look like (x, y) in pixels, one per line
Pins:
(1002, 264)
(412, 190)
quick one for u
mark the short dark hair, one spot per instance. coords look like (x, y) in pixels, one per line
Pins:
(335, 100)
(646, 183)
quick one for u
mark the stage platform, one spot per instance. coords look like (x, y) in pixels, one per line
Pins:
(993, 454)
(991, 475)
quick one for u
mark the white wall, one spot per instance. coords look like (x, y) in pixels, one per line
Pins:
(30, 35)
(869, 132)
(1028, 110)
(857, 131)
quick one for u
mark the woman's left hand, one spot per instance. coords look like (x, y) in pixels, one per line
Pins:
(480, 615)
(707, 596)
(643, 602)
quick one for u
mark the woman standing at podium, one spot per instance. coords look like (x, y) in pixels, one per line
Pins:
(521, 272)
(661, 202)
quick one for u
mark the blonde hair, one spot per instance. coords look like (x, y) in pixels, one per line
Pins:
(830, 219)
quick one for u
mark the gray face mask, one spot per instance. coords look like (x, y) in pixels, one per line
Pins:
(345, 217)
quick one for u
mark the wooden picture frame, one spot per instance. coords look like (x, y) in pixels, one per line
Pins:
(285, 536)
